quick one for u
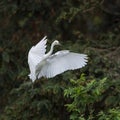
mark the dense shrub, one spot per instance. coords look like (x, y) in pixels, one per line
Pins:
(93, 99)
(90, 27)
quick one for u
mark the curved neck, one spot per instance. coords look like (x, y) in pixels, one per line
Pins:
(51, 50)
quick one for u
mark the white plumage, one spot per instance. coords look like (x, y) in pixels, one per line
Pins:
(49, 65)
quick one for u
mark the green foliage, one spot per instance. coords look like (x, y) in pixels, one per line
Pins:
(91, 101)
(32, 101)
(111, 114)
(90, 27)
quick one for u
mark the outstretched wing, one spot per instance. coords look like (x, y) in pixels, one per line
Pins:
(35, 56)
(37, 51)
(62, 61)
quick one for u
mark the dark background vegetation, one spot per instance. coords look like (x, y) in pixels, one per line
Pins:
(84, 26)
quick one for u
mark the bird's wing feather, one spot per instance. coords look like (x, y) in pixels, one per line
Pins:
(37, 51)
(35, 55)
(62, 61)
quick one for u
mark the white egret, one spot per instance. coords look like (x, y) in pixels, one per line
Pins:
(49, 65)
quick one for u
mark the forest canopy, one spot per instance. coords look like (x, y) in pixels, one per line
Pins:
(83, 26)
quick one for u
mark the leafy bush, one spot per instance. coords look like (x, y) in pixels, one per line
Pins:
(90, 27)
(43, 101)
(81, 99)
(93, 99)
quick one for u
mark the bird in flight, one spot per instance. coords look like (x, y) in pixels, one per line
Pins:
(49, 65)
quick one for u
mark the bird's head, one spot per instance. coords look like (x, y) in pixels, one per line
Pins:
(56, 42)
